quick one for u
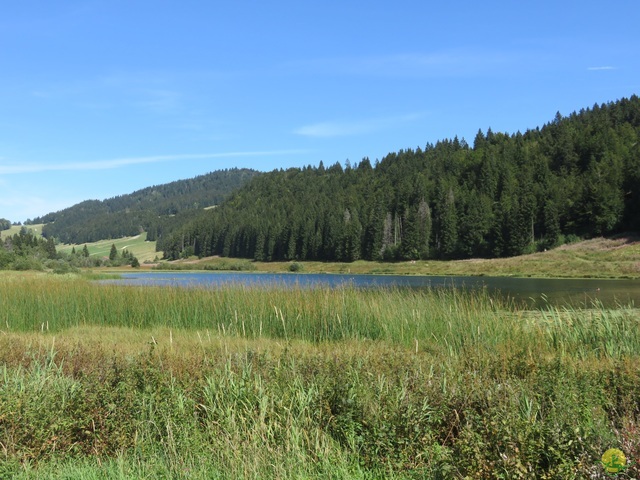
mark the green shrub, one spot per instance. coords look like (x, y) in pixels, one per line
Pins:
(27, 263)
(295, 267)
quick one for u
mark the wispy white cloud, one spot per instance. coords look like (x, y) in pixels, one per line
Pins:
(607, 67)
(355, 127)
(155, 93)
(431, 64)
(123, 162)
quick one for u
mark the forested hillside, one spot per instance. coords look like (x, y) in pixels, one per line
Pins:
(156, 210)
(505, 195)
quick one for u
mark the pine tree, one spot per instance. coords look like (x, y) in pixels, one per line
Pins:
(50, 248)
(448, 225)
(424, 228)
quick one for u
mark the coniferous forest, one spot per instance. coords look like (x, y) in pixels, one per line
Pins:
(504, 195)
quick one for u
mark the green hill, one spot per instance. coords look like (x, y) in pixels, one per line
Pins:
(154, 210)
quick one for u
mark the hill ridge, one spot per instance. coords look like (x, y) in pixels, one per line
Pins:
(155, 209)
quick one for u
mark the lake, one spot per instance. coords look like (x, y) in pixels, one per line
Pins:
(535, 292)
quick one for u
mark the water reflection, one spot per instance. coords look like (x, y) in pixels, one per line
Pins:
(534, 292)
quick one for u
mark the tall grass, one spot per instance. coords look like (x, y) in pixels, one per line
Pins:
(104, 381)
(446, 320)
(323, 314)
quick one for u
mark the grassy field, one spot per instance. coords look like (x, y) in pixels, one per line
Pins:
(105, 381)
(138, 246)
(37, 229)
(597, 258)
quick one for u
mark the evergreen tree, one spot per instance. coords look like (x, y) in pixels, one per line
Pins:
(50, 249)
(448, 225)
(424, 228)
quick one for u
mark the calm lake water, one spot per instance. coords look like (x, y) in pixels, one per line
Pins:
(534, 292)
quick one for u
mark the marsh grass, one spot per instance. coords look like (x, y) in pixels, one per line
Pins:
(36, 303)
(104, 381)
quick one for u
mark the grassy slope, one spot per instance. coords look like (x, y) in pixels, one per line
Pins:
(596, 258)
(145, 251)
(16, 229)
(138, 245)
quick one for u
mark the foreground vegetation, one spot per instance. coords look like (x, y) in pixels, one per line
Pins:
(103, 381)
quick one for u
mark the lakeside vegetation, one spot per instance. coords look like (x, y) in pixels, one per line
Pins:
(613, 257)
(106, 381)
(617, 257)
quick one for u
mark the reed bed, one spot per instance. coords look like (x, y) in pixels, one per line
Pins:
(104, 381)
(315, 315)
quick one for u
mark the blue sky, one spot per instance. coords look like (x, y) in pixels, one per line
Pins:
(100, 98)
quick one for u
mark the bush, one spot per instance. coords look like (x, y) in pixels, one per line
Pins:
(295, 267)
(6, 258)
(60, 266)
(27, 263)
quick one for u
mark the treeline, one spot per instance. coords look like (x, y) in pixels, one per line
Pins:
(505, 195)
(156, 209)
(26, 251)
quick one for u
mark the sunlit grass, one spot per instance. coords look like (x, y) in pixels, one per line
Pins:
(596, 258)
(36, 229)
(138, 246)
(39, 303)
(107, 381)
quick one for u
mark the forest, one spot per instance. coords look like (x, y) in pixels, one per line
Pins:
(155, 209)
(507, 194)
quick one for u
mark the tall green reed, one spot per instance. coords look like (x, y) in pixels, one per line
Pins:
(437, 320)
(595, 332)
(448, 319)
